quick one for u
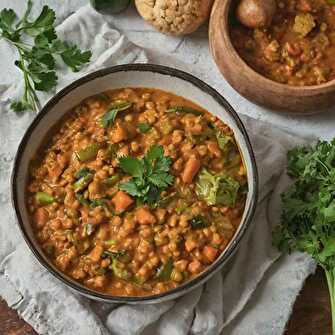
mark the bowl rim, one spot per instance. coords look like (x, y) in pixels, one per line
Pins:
(299, 90)
(202, 277)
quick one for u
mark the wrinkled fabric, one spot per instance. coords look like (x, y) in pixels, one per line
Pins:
(253, 294)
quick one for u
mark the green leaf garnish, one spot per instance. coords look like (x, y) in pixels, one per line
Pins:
(199, 222)
(150, 175)
(109, 117)
(184, 110)
(144, 127)
(165, 270)
(83, 172)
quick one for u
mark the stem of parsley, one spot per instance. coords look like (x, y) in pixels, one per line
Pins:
(330, 275)
(29, 96)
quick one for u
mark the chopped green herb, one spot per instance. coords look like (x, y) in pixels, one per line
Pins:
(164, 202)
(165, 270)
(83, 172)
(83, 182)
(111, 181)
(109, 117)
(217, 189)
(184, 110)
(80, 197)
(143, 127)
(99, 202)
(150, 175)
(88, 153)
(114, 254)
(101, 271)
(199, 222)
(43, 198)
(225, 142)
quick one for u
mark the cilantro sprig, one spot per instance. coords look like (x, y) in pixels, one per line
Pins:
(308, 215)
(37, 59)
(150, 175)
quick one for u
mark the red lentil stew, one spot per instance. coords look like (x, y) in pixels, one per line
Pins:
(299, 46)
(137, 191)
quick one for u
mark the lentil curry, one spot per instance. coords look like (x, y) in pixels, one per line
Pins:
(297, 49)
(137, 192)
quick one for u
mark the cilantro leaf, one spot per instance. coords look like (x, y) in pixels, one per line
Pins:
(184, 110)
(199, 222)
(132, 166)
(37, 62)
(7, 18)
(43, 22)
(74, 58)
(117, 106)
(150, 175)
(144, 127)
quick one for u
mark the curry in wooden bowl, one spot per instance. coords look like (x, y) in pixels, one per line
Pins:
(278, 53)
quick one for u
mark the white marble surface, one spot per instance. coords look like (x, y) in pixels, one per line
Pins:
(189, 53)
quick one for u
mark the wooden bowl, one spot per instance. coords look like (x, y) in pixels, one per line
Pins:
(254, 86)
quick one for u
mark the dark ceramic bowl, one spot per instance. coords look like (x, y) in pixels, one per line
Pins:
(133, 75)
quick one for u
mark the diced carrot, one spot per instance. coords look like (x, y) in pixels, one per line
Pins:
(118, 134)
(195, 266)
(144, 216)
(96, 253)
(210, 253)
(190, 245)
(122, 201)
(41, 217)
(192, 167)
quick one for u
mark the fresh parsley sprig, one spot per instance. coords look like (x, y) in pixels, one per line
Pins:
(308, 215)
(150, 175)
(37, 61)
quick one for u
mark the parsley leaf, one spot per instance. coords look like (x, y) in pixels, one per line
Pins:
(199, 222)
(144, 127)
(308, 208)
(117, 106)
(38, 62)
(150, 175)
(184, 110)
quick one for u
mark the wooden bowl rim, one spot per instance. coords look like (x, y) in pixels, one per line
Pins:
(224, 32)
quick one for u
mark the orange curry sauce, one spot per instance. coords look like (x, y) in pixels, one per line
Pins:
(105, 236)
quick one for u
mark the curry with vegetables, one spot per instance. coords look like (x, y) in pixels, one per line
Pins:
(137, 192)
(297, 48)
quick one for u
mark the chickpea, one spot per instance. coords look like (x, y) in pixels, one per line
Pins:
(149, 105)
(177, 276)
(128, 118)
(134, 146)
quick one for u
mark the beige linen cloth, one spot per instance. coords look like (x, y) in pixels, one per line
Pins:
(253, 296)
